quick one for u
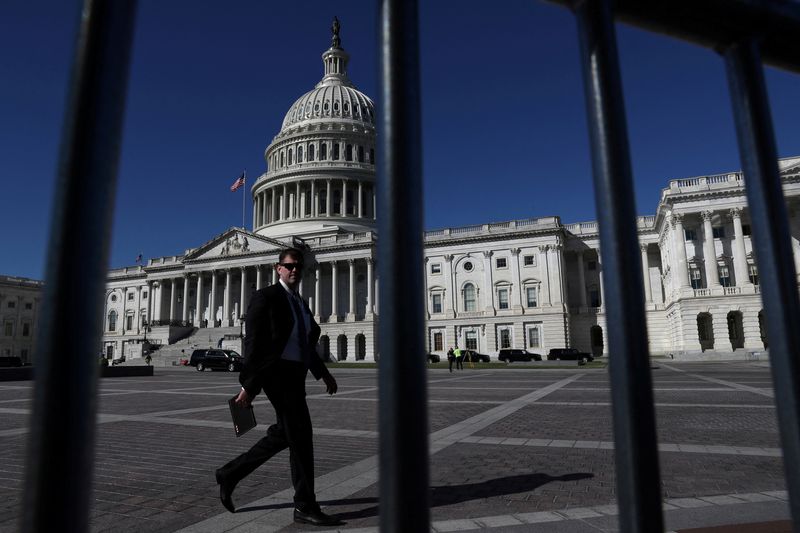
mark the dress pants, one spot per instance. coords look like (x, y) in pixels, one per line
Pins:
(286, 389)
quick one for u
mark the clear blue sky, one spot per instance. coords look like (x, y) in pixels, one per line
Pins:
(504, 121)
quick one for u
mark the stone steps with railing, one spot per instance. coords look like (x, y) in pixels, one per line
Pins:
(171, 354)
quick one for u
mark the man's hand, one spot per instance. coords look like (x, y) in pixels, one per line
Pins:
(330, 383)
(244, 399)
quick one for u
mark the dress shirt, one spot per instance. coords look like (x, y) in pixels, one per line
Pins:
(292, 350)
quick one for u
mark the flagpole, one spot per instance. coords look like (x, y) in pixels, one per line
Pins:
(244, 173)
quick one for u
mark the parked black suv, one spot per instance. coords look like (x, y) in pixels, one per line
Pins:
(433, 358)
(513, 354)
(216, 360)
(570, 354)
(475, 357)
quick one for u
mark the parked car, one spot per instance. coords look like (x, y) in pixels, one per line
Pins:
(475, 357)
(10, 361)
(569, 354)
(433, 358)
(216, 360)
(514, 354)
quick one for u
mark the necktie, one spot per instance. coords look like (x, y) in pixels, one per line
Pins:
(302, 334)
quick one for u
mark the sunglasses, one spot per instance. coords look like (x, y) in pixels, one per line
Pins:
(291, 266)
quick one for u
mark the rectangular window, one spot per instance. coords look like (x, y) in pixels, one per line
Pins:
(8, 329)
(718, 232)
(130, 296)
(335, 151)
(28, 306)
(594, 297)
(438, 342)
(752, 271)
(724, 276)
(12, 305)
(436, 268)
(500, 262)
(129, 322)
(529, 260)
(471, 338)
(505, 338)
(534, 338)
(696, 278)
(690, 234)
(746, 229)
(144, 295)
(437, 303)
(591, 265)
(26, 330)
(502, 298)
(531, 294)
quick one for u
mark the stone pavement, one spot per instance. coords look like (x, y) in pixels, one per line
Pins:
(511, 450)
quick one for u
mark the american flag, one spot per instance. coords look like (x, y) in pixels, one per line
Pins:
(139, 258)
(238, 183)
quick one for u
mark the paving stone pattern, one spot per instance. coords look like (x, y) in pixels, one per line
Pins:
(160, 438)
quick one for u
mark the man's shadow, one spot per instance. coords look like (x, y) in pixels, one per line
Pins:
(448, 494)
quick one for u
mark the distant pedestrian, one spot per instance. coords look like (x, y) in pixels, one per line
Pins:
(459, 358)
(148, 359)
(451, 357)
(219, 343)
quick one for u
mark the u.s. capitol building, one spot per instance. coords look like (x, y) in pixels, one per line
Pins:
(534, 283)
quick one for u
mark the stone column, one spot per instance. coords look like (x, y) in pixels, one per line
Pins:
(172, 300)
(648, 290)
(682, 268)
(138, 309)
(328, 195)
(185, 309)
(370, 283)
(487, 277)
(243, 293)
(264, 212)
(739, 255)
(709, 253)
(360, 201)
(448, 261)
(515, 275)
(212, 301)
(255, 213)
(558, 272)
(600, 277)
(343, 206)
(317, 284)
(351, 305)
(156, 301)
(258, 278)
(284, 204)
(334, 289)
(198, 312)
(581, 278)
(313, 198)
(274, 205)
(545, 296)
(297, 213)
(226, 300)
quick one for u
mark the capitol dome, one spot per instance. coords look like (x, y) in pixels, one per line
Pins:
(320, 177)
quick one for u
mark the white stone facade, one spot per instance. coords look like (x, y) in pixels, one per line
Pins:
(534, 283)
(20, 300)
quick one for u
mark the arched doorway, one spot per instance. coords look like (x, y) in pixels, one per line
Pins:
(325, 345)
(596, 336)
(762, 328)
(705, 331)
(361, 347)
(735, 330)
(341, 347)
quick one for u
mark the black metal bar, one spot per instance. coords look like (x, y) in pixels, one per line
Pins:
(635, 445)
(772, 243)
(61, 450)
(716, 23)
(403, 416)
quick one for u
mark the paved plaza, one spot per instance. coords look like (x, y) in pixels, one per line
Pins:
(511, 450)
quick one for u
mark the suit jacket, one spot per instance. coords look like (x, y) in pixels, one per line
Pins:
(269, 323)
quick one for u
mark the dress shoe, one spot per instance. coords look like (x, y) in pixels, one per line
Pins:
(316, 517)
(225, 493)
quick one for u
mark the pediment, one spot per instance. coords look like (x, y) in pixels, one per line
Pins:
(789, 165)
(233, 242)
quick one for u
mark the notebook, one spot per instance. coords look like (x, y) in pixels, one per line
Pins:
(244, 418)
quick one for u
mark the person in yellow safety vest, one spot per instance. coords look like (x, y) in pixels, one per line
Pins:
(459, 358)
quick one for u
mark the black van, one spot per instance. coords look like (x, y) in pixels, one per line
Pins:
(512, 354)
(216, 360)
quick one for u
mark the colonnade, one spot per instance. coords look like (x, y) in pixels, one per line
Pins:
(312, 198)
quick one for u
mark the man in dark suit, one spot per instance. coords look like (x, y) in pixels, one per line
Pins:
(278, 353)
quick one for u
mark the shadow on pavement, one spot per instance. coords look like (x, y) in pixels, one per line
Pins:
(451, 494)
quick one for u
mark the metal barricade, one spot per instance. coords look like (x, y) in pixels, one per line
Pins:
(744, 32)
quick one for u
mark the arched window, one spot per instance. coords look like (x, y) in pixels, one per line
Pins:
(311, 152)
(323, 151)
(281, 158)
(299, 154)
(290, 156)
(335, 151)
(372, 155)
(470, 304)
(348, 152)
(112, 321)
(360, 154)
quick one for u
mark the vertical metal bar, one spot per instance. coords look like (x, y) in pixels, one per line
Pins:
(61, 450)
(772, 242)
(638, 481)
(403, 416)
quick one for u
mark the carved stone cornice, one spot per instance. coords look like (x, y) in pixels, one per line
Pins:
(707, 215)
(735, 212)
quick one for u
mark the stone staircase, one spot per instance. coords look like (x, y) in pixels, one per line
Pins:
(171, 354)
